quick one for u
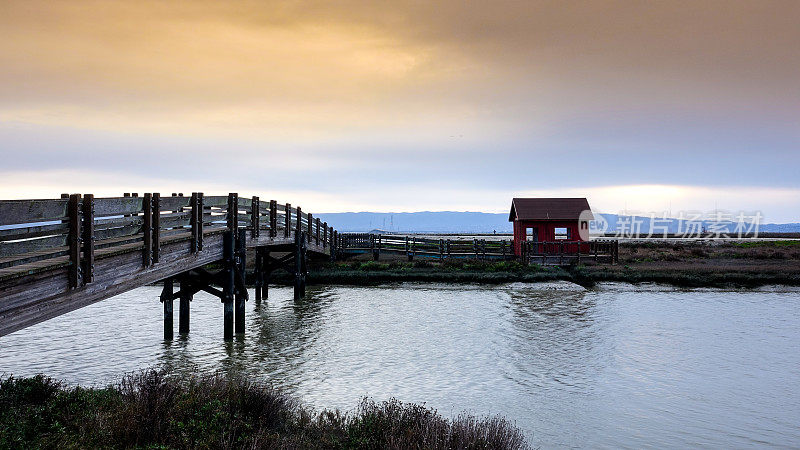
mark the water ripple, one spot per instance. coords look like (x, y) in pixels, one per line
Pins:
(618, 366)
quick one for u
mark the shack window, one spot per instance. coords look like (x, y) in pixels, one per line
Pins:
(532, 234)
(561, 233)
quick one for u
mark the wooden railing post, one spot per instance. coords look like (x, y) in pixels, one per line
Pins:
(299, 224)
(233, 211)
(324, 234)
(156, 226)
(200, 218)
(317, 225)
(310, 226)
(88, 238)
(255, 217)
(74, 239)
(334, 244)
(288, 219)
(273, 218)
(194, 222)
(147, 229)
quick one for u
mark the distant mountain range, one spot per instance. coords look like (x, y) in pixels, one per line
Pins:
(477, 222)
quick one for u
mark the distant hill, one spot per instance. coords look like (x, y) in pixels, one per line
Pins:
(477, 222)
(419, 222)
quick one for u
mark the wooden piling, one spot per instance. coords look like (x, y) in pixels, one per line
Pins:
(166, 299)
(240, 297)
(183, 312)
(259, 274)
(299, 260)
(265, 280)
(228, 284)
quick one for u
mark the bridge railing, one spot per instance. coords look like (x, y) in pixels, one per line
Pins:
(38, 235)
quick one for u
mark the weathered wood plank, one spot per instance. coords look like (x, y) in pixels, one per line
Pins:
(31, 245)
(113, 206)
(174, 203)
(31, 211)
(13, 234)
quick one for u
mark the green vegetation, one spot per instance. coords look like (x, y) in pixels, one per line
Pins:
(155, 410)
(755, 244)
(450, 271)
(685, 266)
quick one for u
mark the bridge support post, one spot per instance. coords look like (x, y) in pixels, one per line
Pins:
(241, 263)
(228, 285)
(259, 274)
(166, 298)
(183, 312)
(265, 257)
(300, 266)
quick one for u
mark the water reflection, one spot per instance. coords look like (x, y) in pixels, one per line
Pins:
(556, 333)
(615, 366)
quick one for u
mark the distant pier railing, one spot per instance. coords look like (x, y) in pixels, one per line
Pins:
(556, 252)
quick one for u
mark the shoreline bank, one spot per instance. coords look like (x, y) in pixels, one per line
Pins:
(697, 264)
(584, 276)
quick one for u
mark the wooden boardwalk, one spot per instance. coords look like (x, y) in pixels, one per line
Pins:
(63, 254)
(60, 255)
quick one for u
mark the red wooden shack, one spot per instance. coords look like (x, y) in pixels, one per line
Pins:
(549, 220)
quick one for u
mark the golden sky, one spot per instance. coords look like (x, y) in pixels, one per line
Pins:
(484, 93)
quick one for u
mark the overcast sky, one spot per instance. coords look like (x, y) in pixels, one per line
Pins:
(407, 106)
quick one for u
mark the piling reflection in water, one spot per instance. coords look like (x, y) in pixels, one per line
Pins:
(615, 366)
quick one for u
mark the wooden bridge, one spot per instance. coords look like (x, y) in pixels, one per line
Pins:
(60, 255)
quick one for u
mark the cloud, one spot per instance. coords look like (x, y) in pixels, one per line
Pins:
(421, 99)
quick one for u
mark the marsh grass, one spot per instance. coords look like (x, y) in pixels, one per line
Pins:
(153, 409)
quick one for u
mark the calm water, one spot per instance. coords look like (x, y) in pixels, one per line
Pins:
(616, 366)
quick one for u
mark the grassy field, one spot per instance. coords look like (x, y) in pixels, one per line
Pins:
(155, 410)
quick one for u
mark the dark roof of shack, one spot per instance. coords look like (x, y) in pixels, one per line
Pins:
(548, 209)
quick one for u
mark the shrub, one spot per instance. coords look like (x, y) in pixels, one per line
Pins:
(154, 409)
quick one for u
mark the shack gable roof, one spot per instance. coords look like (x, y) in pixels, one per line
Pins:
(548, 209)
